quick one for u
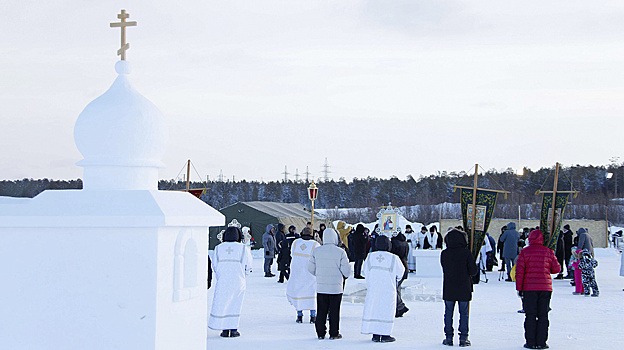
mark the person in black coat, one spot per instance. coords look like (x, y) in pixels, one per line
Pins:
(284, 258)
(560, 254)
(567, 249)
(400, 248)
(458, 267)
(358, 248)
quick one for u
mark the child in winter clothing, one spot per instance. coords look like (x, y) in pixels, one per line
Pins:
(574, 266)
(587, 265)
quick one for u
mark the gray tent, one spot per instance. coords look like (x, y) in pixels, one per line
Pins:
(257, 215)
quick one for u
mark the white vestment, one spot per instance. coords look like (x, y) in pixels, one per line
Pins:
(485, 248)
(231, 264)
(301, 288)
(411, 260)
(382, 270)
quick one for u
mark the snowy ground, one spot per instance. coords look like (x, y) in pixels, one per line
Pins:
(576, 322)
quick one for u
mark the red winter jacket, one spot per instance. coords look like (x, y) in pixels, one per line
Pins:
(535, 264)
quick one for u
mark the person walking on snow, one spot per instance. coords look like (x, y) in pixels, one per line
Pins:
(330, 264)
(398, 247)
(382, 270)
(301, 288)
(458, 267)
(231, 265)
(284, 257)
(587, 264)
(534, 267)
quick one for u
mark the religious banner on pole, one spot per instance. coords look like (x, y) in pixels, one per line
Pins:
(485, 204)
(546, 217)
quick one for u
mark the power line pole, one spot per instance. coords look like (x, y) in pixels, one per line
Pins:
(307, 174)
(297, 175)
(220, 175)
(326, 171)
(286, 173)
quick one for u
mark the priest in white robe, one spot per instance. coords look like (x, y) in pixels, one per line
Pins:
(382, 270)
(231, 264)
(301, 288)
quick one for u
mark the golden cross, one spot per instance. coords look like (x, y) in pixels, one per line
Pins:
(123, 24)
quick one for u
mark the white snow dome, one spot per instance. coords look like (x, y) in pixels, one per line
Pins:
(122, 137)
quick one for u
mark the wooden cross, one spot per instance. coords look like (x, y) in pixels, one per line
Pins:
(123, 24)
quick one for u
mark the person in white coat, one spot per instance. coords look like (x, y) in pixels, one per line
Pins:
(301, 288)
(330, 264)
(231, 264)
(420, 237)
(382, 270)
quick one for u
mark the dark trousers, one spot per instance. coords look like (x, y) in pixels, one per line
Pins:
(509, 263)
(536, 305)
(400, 305)
(284, 273)
(328, 304)
(267, 265)
(449, 309)
(357, 267)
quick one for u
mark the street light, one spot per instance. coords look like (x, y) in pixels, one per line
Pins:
(312, 194)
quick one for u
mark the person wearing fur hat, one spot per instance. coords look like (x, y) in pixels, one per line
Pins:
(231, 265)
(534, 267)
(382, 270)
(458, 267)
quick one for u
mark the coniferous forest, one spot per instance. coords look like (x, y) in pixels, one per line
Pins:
(424, 199)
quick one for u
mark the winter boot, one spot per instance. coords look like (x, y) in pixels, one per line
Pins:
(225, 333)
(312, 319)
(335, 337)
(387, 339)
(447, 341)
(234, 333)
(299, 319)
(377, 338)
(465, 342)
(595, 294)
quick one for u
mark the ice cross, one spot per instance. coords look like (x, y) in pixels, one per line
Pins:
(123, 24)
(380, 258)
(229, 250)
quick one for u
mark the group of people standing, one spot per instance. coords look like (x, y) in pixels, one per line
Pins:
(316, 274)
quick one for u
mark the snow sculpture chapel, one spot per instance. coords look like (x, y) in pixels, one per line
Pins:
(118, 264)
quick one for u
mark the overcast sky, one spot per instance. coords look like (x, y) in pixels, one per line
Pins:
(379, 88)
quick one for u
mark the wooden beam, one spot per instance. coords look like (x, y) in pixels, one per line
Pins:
(480, 189)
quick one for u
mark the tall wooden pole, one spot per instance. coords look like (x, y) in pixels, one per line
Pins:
(188, 175)
(554, 202)
(474, 206)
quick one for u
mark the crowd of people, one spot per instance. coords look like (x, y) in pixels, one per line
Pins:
(315, 265)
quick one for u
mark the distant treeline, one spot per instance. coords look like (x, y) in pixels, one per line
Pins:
(427, 195)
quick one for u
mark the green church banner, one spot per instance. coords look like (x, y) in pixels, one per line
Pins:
(546, 217)
(486, 202)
